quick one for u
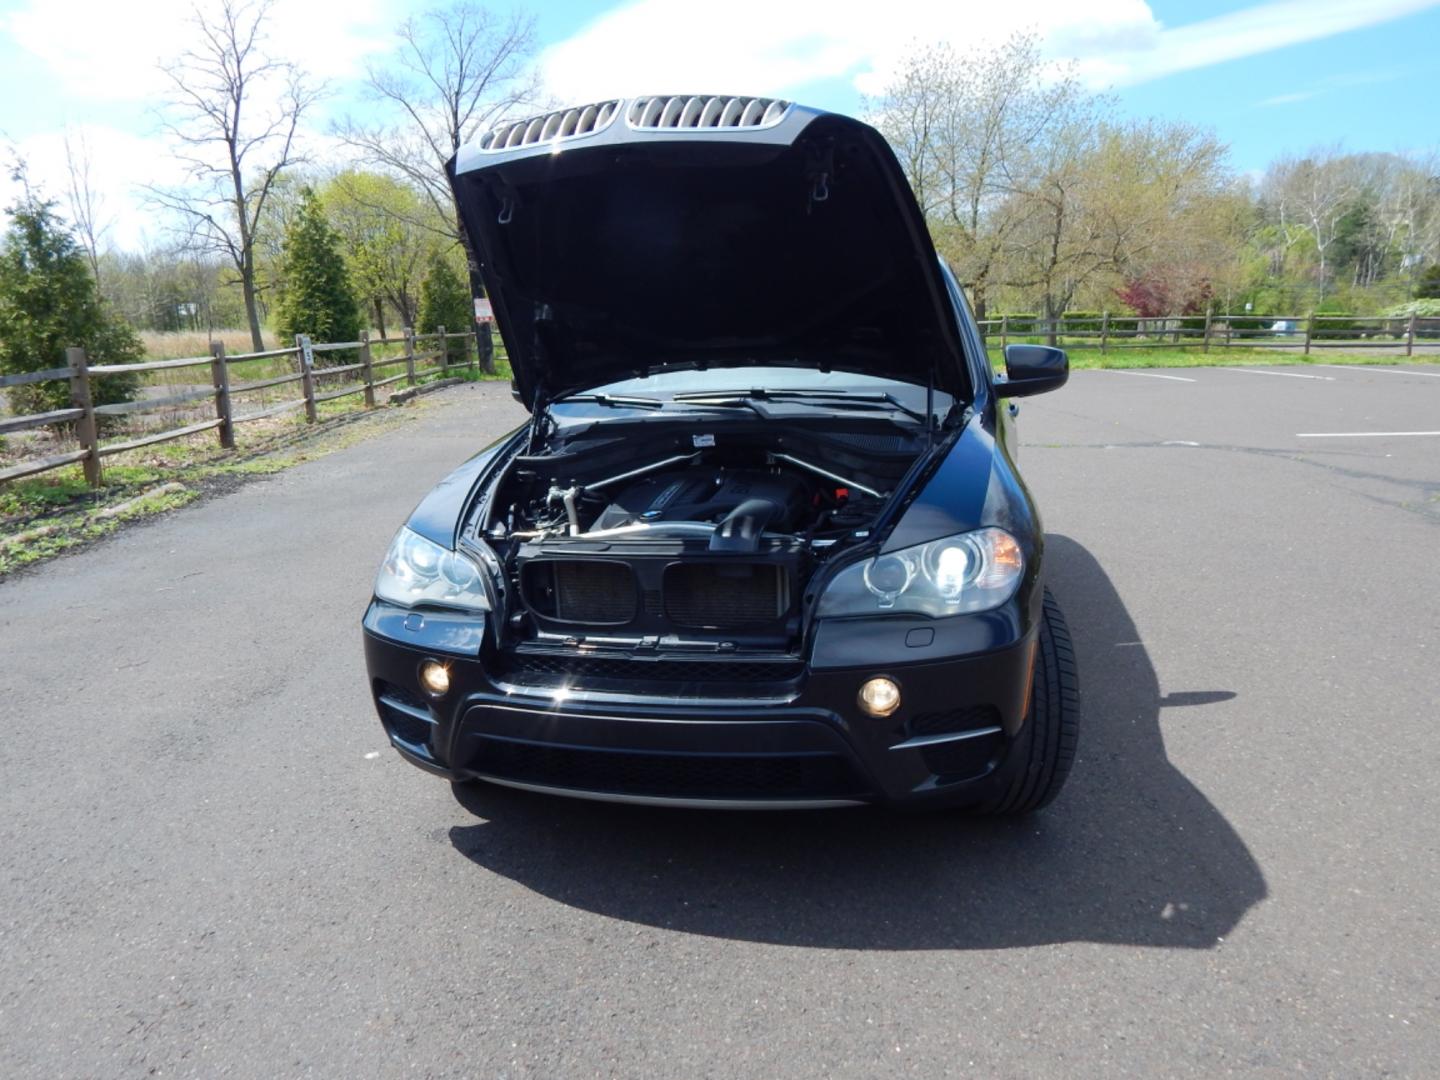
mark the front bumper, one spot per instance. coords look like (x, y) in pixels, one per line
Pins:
(800, 742)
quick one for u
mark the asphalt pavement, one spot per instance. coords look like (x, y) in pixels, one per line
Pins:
(212, 865)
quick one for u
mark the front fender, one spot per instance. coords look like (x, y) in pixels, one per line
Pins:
(437, 517)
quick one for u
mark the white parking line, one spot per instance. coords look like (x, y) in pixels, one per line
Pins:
(1382, 370)
(1147, 374)
(1282, 374)
(1359, 434)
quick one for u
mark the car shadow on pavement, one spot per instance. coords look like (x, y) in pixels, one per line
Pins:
(1130, 853)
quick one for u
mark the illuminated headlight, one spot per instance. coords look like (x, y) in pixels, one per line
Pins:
(418, 572)
(974, 571)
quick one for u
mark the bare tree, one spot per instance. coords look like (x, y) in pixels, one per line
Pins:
(1410, 209)
(87, 207)
(1322, 188)
(971, 131)
(459, 70)
(234, 113)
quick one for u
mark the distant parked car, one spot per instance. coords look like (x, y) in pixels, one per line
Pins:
(1282, 327)
(763, 542)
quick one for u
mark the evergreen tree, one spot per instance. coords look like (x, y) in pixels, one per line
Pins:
(48, 302)
(1428, 287)
(316, 294)
(445, 301)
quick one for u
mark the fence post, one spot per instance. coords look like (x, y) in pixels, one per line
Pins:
(367, 372)
(1410, 335)
(485, 345)
(1309, 331)
(1004, 331)
(444, 352)
(80, 398)
(1104, 332)
(1209, 314)
(409, 332)
(307, 375)
(220, 379)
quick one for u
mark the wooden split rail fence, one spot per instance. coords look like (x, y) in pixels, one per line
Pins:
(1305, 332)
(423, 354)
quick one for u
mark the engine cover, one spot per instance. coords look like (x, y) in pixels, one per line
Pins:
(777, 499)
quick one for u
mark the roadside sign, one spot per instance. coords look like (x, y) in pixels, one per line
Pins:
(483, 311)
(306, 351)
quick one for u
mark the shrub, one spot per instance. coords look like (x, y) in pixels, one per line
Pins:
(445, 301)
(316, 295)
(1424, 308)
(48, 301)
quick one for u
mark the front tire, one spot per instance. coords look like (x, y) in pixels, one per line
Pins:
(1052, 729)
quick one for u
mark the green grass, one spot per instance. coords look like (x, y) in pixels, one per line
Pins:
(46, 515)
(1089, 359)
(49, 537)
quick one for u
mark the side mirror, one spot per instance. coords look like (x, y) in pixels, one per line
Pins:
(1032, 369)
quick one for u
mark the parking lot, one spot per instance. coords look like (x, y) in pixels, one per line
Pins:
(211, 864)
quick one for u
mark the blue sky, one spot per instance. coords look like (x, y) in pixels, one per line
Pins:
(1270, 77)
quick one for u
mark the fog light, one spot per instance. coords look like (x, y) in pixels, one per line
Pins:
(435, 677)
(880, 696)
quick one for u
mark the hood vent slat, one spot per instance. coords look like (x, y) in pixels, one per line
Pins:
(550, 127)
(677, 112)
(699, 111)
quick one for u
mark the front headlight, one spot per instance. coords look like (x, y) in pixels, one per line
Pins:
(974, 571)
(417, 571)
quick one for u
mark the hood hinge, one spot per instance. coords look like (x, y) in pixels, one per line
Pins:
(819, 171)
(539, 414)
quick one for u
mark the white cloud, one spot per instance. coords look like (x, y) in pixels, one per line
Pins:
(121, 164)
(760, 46)
(1293, 98)
(1344, 80)
(101, 53)
(111, 51)
(1255, 30)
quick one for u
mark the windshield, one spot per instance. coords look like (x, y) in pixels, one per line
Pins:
(775, 379)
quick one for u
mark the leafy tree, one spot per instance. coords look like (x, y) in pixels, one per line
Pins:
(48, 301)
(388, 242)
(445, 301)
(972, 128)
(1428, 287)
(317, 297)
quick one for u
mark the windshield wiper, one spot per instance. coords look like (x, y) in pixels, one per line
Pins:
(726, 399)
(863, 401)
(613, 400)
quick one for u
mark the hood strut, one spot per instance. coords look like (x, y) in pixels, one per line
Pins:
(930, 409)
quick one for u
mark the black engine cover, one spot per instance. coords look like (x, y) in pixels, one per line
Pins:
(701, 495)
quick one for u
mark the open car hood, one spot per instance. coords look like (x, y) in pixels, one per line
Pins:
(635, 236)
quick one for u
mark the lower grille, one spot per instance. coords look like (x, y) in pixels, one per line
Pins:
(670, 775)
(398, 708)
(963, 758)
(530, 667)
(725, 595)
(953, 720)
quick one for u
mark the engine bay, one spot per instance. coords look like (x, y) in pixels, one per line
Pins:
(706, 534)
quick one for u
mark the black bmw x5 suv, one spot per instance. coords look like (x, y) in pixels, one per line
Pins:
(762, 542)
